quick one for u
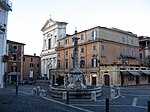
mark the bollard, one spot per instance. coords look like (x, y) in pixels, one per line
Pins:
(107, 105)
(148, 106)
(93, 96)
(64, 95)
(16, 84)
(112, 95)
(67, 97)
(34, 91)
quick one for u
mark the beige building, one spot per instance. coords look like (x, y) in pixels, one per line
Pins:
(107, 56)
(32, 68)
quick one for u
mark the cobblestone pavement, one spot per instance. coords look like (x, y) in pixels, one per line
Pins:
(132, 99)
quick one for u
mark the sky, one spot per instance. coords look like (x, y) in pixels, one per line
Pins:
(29, 16)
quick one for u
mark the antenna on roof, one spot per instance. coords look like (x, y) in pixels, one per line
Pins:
(50, 19)
(75, 30)
(50, 16)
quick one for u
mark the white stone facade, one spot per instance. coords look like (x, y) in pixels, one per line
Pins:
(52, 31)
(5, 6)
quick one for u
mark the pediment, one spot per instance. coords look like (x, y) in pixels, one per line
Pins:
(48, 23)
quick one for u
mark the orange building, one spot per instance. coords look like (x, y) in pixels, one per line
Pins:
(32, 67)
(144, 55)
(15, 51)
(107, 56)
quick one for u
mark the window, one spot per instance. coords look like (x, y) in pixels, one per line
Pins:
(132, 53)
(94, 62)
(15, 47)
(82, 63)
(49, 43)
(130, 77)
(72, 40)
(124, 52)
(94, 47)
(123, 39)
(94, 34)
(13, 68)
(38, 65)
(131, 68)
(31, 65)
(82, 50)
(66, 53)
(14, 57)
(24, 59)
(58, 44)
(141, 55)
(54, 62)
(66, 63)
(102, 48)
(58, 62)
(132, 41)
(144, 77)
(31, 59)
(66, 41)
(82, 37)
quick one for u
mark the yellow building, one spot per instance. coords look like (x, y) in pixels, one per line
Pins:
(107, 56)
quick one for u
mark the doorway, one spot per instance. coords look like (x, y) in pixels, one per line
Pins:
(106, 80)
(122, 79)
(148, 78)
(53, 79)
(93, 81)
(137, 80)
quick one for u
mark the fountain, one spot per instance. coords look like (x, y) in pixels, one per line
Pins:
(75, 84)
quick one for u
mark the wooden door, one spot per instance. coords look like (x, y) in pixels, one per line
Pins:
(93, 81)
(106, 80)
(137, 80)
(148, 78)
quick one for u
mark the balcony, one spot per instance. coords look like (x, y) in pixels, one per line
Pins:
(6, 5)
(2, 29)
(59, 47)
(128, 56)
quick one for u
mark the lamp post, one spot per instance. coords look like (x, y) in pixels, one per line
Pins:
(124, 62)
(99, 61)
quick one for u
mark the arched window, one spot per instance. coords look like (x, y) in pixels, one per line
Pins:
(94, 62)
(82, 63)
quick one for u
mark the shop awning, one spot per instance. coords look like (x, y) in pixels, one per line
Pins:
(135, 73)
(147, 72)
(124, 72)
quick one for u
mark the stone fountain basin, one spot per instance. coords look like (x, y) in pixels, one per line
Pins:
(57, 92)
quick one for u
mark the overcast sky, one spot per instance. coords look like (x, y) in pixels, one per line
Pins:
(28, 17)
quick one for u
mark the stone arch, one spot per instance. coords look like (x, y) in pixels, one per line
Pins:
(106, 79)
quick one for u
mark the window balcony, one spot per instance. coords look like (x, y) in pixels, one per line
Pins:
(6, 5)
(2, 29)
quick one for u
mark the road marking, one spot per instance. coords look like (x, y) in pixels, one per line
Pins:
(24, 92)
(21, 92)
(134, 95)
(122, 96)
(90, 105)
(134, 102)
(85, 110)
(141, 107)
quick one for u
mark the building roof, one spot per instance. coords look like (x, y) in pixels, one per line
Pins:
(26, 55)
(51, 23)
(112, 29)
(14, 42)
